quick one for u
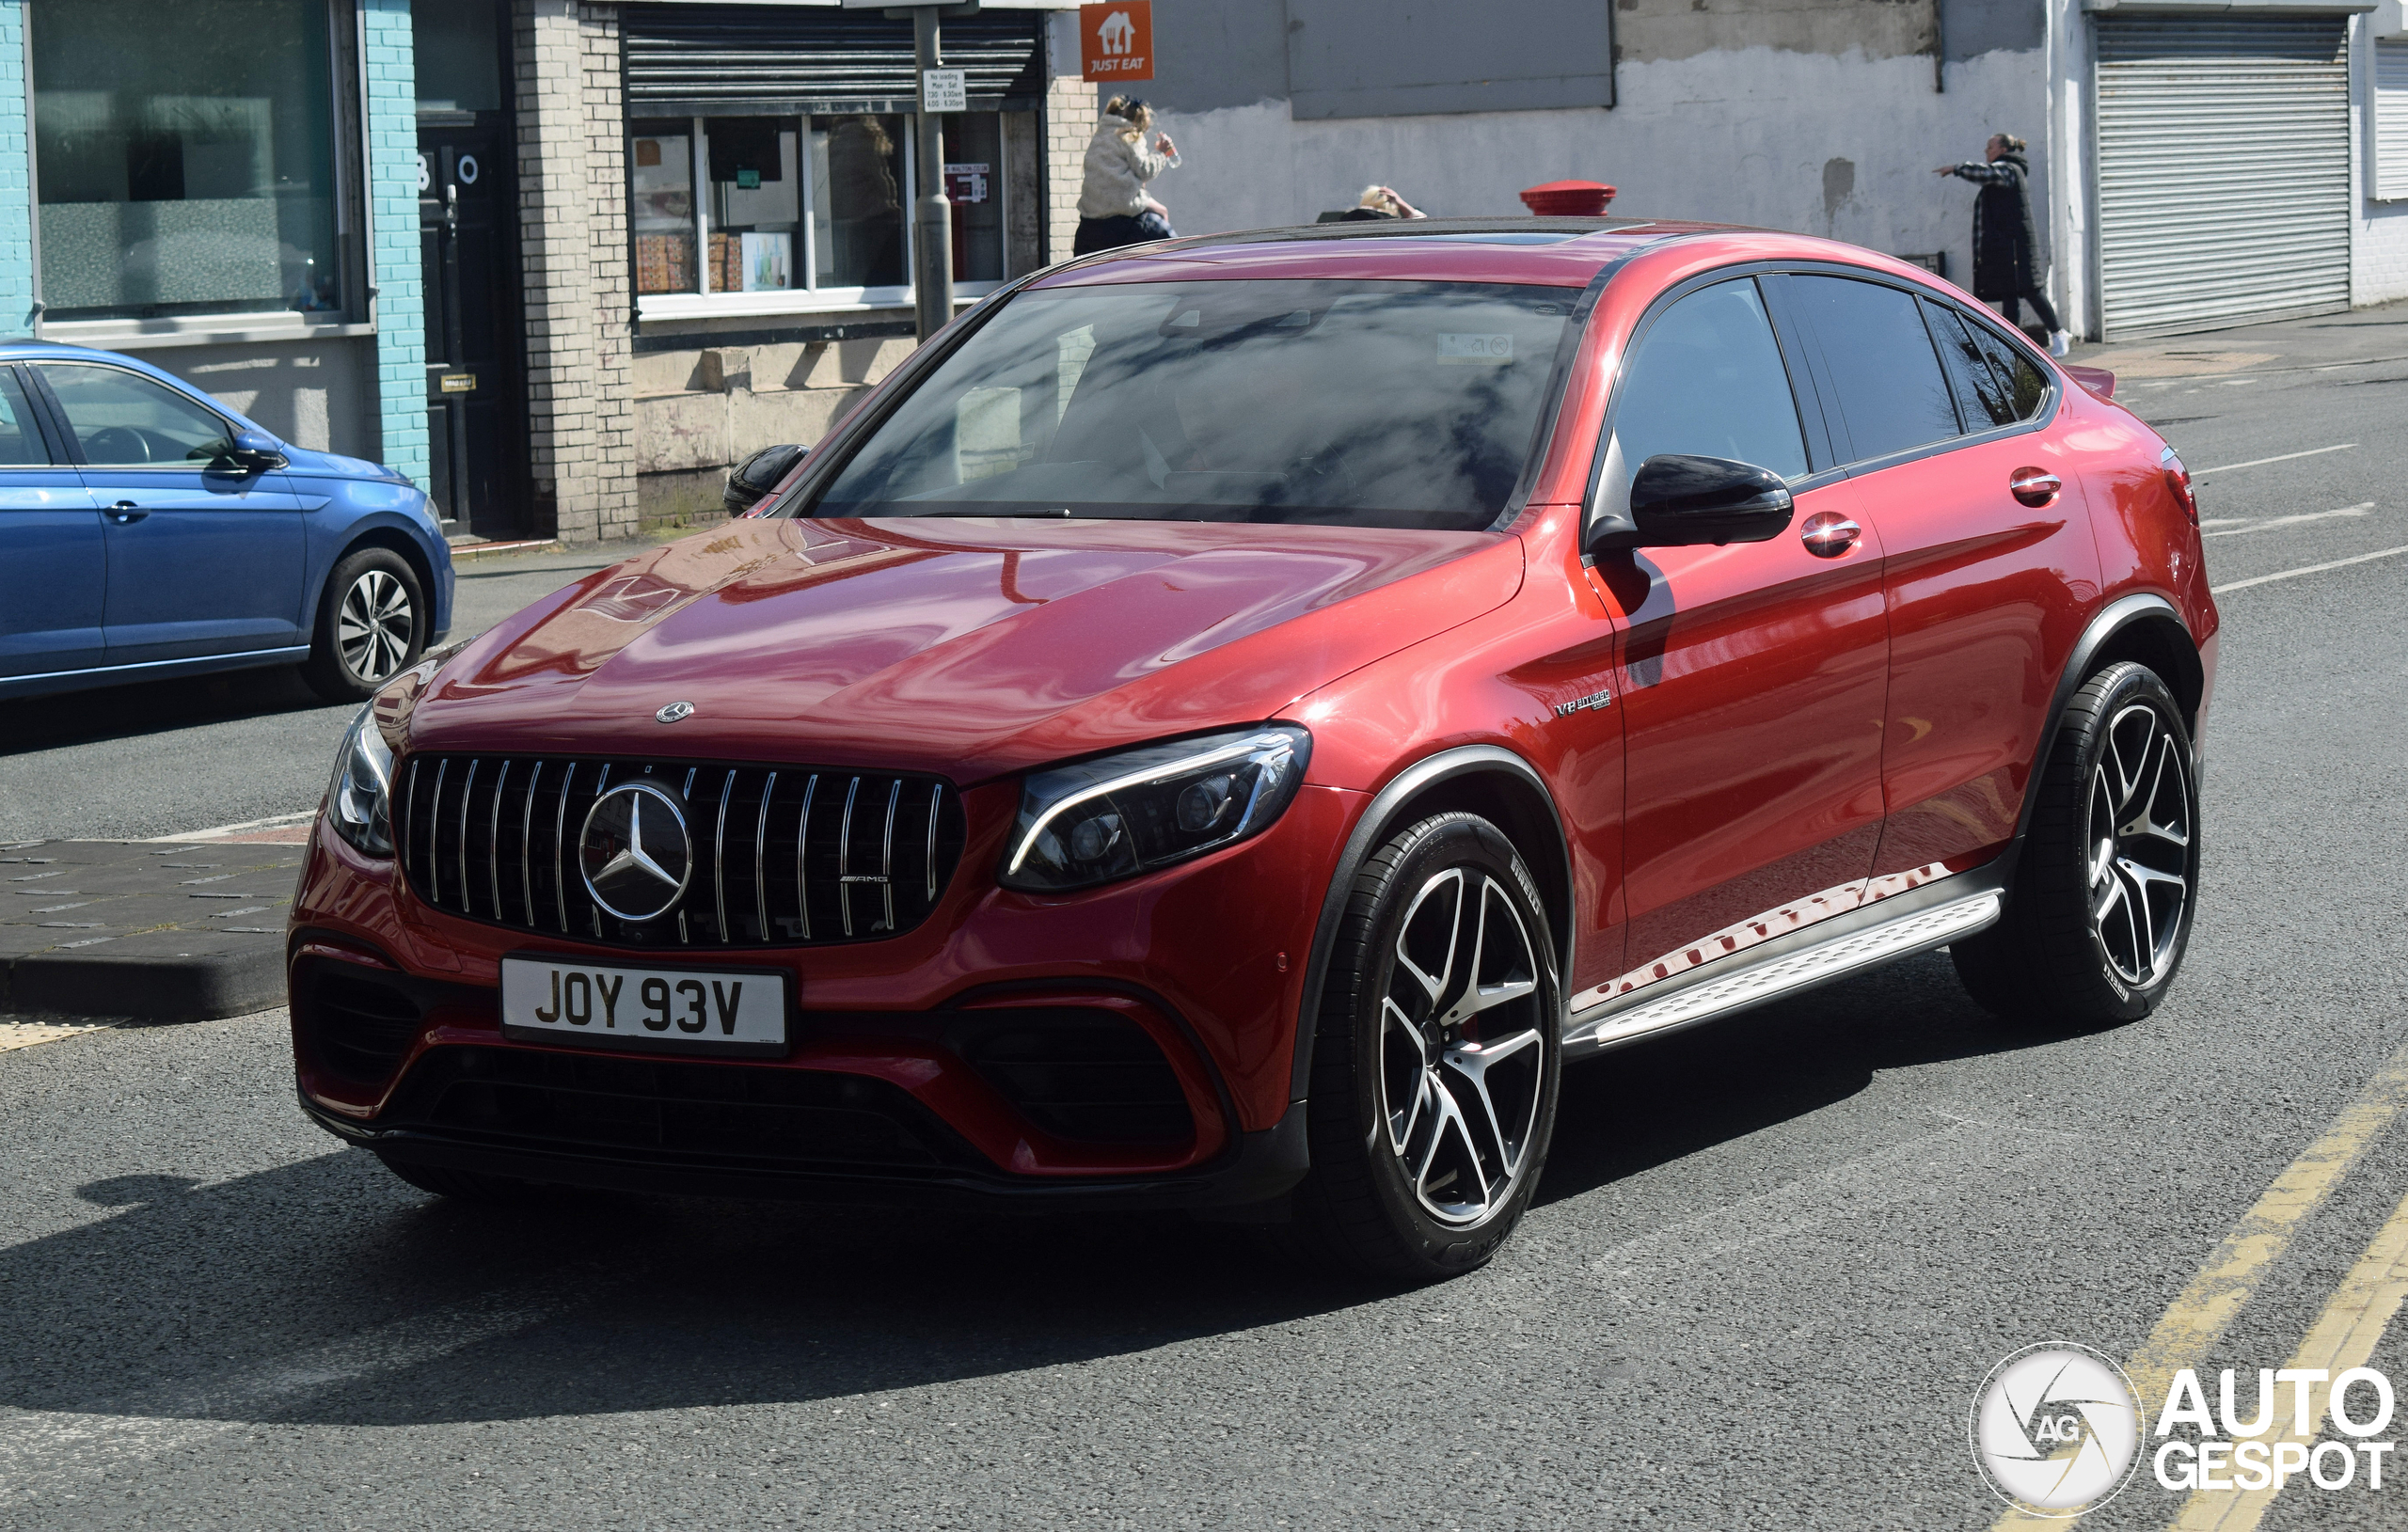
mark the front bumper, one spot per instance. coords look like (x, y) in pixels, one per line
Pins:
(1199, 968)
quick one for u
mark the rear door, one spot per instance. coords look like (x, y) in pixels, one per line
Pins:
(1986, 596)
(204, 558)
(52, 560)
(1751, 674)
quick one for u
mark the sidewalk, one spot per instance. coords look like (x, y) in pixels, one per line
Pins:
(156, 933)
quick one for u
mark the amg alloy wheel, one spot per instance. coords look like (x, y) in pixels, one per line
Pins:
(371, 624)
(1436, 1061)
(2099, 912)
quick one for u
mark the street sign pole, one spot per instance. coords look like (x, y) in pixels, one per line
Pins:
(932, 213)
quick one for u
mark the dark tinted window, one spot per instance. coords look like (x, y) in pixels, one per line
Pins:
(1707, 380)
(1891, 393)
(1332, 403)
(1980, 393)
(2025, 385)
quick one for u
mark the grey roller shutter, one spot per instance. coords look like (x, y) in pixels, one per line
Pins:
(686, 60)
(2223, 170)
(2391, 119)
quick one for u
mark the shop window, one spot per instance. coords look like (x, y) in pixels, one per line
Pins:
(184, 156)
(660, 175)
(801, 205)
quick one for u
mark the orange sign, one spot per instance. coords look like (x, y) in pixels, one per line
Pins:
(1116, 41)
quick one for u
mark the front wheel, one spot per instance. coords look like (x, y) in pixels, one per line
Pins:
(2100, 913)
(371, 624)
(1438, 1056)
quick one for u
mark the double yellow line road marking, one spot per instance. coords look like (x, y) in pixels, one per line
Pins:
(2343, 1336)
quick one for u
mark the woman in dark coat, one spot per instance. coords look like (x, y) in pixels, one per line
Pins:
(2005, 269)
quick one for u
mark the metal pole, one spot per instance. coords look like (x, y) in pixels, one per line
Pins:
(931, 214)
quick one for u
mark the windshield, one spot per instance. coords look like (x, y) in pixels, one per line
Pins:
(1408, 404)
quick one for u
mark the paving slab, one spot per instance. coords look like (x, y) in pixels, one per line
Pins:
(175, 932)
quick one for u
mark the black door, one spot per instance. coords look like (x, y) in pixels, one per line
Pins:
(465, 211)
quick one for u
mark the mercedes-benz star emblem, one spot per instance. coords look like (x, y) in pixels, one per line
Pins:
(673, 712)
(634, 850)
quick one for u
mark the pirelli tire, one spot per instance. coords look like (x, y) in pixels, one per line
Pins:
(2099, 914)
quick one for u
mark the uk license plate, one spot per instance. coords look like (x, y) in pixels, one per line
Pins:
(738, 1012)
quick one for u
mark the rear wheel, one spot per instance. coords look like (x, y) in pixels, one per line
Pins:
(1437, 1058)
(2100, 913)
(371, 626)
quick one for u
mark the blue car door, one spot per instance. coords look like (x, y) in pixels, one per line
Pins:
(53, 560)
(204, 557)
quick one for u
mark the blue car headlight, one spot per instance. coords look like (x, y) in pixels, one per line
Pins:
(358, 797)
(1146, 808)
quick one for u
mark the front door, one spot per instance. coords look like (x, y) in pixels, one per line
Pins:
(202, 558)
(1752, 674)
(465, 208)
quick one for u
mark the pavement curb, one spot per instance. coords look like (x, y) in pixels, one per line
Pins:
(202, 988)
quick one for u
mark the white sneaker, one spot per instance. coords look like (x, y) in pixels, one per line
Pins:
(2060, 343)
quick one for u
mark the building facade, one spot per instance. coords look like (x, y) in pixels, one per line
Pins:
(2193, 164)
(563, 262)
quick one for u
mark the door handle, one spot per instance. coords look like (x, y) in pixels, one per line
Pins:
(1828, 534)
(2034, 487)
(125, 513)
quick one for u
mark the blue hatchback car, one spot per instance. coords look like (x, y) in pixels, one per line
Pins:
(147, 531)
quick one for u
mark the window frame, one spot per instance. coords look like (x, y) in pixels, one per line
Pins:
(1810, 382)
(805, 299)
(66, 450)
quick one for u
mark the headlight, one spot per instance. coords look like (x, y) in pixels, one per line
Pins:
(1143, 809)
(355, 799)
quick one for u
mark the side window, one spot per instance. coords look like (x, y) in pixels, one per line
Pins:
(1891, 393)
(19, 443)
(2026, 386)
(1707, 380)
(121, 419)
(1985, 400)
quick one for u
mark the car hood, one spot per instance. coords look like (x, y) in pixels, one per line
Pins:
(969, 648)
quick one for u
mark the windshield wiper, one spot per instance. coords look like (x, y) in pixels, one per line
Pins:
(1057, 513)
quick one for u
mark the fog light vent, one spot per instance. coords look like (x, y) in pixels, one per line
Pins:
(1089, 1076)
(362, 1027)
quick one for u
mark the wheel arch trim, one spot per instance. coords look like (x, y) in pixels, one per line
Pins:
(2120, 617)
(1377, 818)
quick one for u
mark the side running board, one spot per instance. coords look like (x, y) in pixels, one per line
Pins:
(1851, 945)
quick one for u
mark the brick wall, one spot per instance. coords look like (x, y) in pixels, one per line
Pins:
(16, 209)
(388, 111)
(1069, 122)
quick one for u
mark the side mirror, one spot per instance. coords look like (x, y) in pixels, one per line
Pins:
(759, 474)
(255, 451)
(1680, 502)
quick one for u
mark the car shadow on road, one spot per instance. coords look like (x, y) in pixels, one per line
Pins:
(152, 707)
(324, 1291)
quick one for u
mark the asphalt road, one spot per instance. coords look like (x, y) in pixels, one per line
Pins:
(1771, 1261)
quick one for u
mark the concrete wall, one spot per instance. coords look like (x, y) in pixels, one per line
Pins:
(2379, 244)
(320, 394)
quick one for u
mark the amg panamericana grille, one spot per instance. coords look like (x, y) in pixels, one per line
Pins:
(784, 855)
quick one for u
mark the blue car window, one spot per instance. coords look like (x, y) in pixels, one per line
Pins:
(20, 444)
(122, 419)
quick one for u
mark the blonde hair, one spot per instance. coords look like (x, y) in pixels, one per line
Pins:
(2014, 145)
(1379, 200)
(1136, 113)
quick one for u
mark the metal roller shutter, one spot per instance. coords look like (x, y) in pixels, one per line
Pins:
(689, 60)
(2223, 170)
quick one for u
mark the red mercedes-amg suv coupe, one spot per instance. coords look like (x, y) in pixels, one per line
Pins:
(1227, 720)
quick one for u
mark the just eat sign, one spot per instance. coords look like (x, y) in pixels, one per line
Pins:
(1116, 41)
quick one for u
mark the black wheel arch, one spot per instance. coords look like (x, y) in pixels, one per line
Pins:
(1485, 780)
(2143, 627)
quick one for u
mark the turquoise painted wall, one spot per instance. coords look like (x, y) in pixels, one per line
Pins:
(16, 209)
(390, 110)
